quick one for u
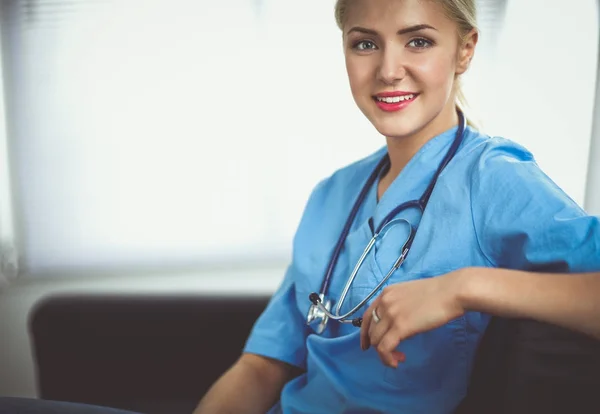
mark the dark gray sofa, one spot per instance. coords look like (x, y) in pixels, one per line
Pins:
(159, 354)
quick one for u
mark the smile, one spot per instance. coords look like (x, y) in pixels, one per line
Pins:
(395, 101)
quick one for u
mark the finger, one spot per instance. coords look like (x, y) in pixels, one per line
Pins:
(377, 330)
(399, 356)
(364, 328)
(387, 348)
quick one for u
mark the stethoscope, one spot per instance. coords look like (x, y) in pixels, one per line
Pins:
(320, 310)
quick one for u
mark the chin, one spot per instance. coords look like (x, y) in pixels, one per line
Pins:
(396, 129)
(394, 125)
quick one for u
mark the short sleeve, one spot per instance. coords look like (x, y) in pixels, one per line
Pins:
(280, 332)
(524, 220)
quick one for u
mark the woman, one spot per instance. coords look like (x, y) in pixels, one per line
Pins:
(493, 229)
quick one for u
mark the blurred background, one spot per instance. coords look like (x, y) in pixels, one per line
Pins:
(170, 145)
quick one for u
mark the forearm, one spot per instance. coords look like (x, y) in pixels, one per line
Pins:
(568, 300)
(244, 389)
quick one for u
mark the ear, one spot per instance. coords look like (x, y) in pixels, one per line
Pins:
(466, 51)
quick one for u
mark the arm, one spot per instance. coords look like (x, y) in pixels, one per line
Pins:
(252, 385)
(409, 308)
(524, 221)
(568, 300)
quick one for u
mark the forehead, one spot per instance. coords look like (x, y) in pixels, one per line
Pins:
(382, 15)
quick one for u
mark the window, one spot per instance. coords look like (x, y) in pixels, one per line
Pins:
(185, 132)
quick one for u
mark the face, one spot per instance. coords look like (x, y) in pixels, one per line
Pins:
(402, 58)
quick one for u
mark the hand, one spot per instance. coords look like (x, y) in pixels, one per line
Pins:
(408, 308)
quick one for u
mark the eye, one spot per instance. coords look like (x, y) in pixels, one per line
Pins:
(420, 43)
(364, 45)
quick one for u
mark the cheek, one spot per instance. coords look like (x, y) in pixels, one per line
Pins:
(436, 73)
(359, 76)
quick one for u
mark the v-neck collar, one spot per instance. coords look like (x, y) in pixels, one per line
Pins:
(415, 176)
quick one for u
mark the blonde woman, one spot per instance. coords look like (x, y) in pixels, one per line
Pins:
(416, 244)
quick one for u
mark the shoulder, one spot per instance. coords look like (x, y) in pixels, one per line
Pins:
(502, 154)
(483, 156)
(508, 170)
(487, 153)
(484, 163)
(503, 164)
(522, 218)
(506, 177)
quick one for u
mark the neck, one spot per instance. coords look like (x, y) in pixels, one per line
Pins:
(402, 149)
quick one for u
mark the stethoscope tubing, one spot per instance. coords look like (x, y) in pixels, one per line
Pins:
(420, 204)
(358, 321)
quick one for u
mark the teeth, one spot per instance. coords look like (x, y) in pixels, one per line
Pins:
(396, 99)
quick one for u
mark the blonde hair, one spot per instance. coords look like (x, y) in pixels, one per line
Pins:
(462, 12)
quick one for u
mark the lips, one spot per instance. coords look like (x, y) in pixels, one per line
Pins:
(394, 101)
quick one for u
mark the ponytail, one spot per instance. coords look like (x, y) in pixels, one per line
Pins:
(463, 106)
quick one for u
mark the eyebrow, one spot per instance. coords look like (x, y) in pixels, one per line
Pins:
(409, 29)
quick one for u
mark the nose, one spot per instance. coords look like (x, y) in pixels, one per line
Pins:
(391, 68)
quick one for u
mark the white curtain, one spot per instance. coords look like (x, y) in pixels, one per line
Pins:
(170, 134)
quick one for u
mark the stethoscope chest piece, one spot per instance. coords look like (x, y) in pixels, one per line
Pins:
(316, 317)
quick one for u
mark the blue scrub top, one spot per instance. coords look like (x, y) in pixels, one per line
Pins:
(492, 206)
